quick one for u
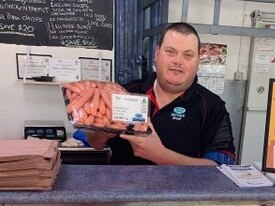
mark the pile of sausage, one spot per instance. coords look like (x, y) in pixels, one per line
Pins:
(89, 105)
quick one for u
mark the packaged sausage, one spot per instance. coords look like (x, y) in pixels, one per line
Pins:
(98, 105)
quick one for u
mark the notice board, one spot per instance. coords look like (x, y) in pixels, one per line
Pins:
(73, 23)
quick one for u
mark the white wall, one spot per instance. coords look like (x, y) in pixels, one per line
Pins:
(20, 102)
(238, 46)
(252, 149)
(233, 13)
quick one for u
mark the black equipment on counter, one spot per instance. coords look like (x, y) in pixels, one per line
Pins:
(45, 129)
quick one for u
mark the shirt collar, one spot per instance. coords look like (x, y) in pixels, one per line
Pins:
(149, 83)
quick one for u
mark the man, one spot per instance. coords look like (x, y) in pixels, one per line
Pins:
(190, 124)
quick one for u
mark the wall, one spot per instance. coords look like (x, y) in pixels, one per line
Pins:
(252, 137)
(238, 46)
(20, 102)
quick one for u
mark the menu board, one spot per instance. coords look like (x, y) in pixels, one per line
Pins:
(72, 23)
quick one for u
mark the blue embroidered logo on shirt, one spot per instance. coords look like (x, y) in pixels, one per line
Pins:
(178, 113)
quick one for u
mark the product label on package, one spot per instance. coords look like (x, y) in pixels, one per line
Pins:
(130, 108)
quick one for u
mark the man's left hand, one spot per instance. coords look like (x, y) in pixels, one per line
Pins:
(148, 147)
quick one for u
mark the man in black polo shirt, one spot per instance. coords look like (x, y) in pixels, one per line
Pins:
(190, 125)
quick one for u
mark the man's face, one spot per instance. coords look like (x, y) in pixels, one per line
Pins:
(177, 61)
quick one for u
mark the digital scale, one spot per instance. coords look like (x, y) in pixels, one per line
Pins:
(45, 129)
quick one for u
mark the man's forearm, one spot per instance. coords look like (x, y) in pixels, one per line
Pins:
(169, 157)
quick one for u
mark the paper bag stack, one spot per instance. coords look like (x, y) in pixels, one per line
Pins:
(31, 164)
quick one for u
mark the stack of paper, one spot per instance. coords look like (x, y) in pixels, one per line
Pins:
(31, 164)
(245, 175)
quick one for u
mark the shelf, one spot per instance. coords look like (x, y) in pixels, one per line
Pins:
(78, 149)
(28, 81)
(215, 28)
(218, 29)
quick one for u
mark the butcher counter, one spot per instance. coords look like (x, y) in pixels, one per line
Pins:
(140, 185)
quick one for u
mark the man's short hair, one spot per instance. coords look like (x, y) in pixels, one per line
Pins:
(181, 27)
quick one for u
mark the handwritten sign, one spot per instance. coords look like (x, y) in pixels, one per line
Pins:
(73, 23)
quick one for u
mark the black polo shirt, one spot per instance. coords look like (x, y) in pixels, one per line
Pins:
(193, 124)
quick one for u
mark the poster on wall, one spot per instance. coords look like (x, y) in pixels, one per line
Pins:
(96, 69)
(263, 59)
(211, 73)
(32, 65)
(65, 70)
(269, 142)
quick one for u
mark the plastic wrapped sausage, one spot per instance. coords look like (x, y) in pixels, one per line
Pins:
(89, 106)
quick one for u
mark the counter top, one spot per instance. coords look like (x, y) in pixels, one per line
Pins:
(80, 184)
